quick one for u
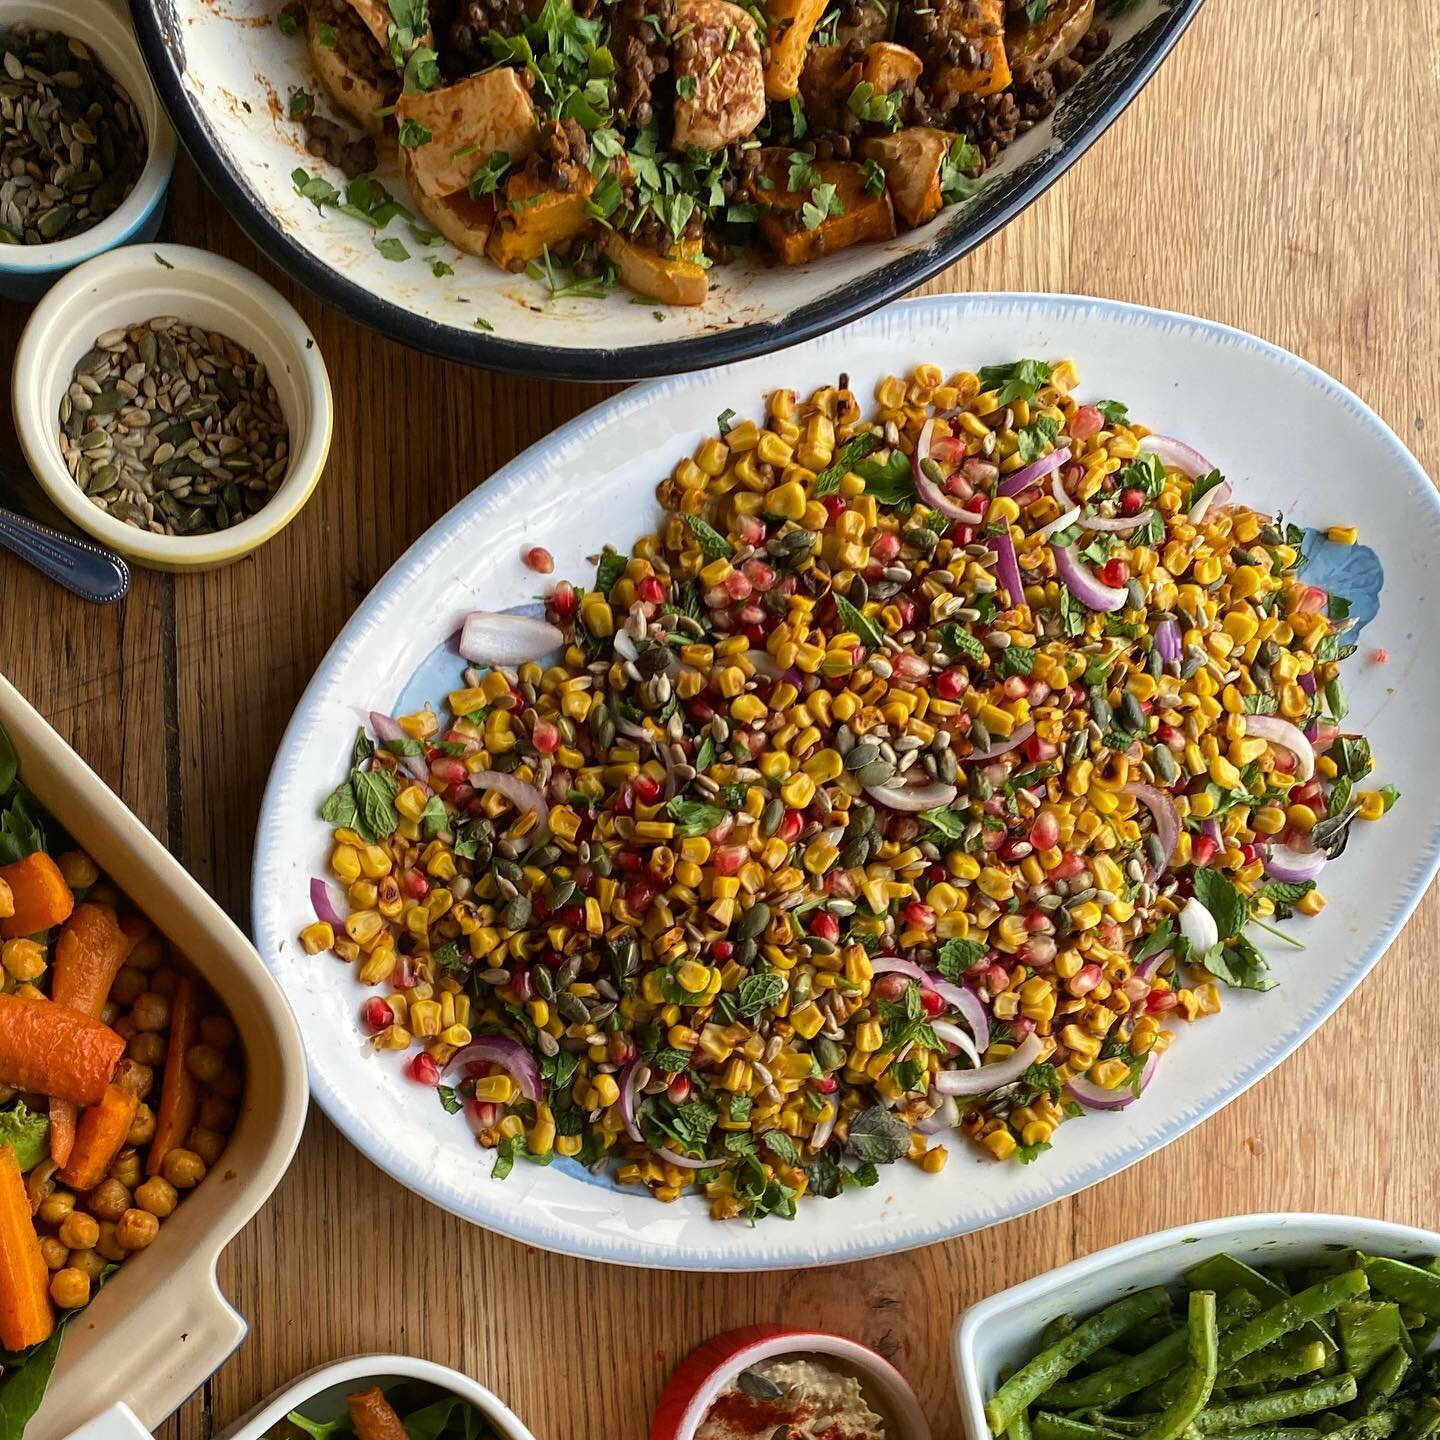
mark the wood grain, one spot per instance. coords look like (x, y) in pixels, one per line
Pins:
(1277, 175)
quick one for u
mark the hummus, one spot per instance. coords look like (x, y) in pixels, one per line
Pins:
(801, 1399)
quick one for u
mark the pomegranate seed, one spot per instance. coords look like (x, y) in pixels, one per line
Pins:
(449, 770)
(651, 590)
(1381, 656)
(728, 859)
(1038, 951)
(417, 887)
(717, 597)
(484, 1113)
(702, 712)
(962, 534)
(948, 449)
(639, 896)
(1202, 851)
(751, 529)
(1045, 831)
(545, 737)
(758, 573)
(1038, 922)
(791, 826)
(717, 834)
(1312, 600)
(423, 1069)
(906, 609)
(921, 917)
(1131, 501)
(910, 667)
(754, 633)
(826, 1084)
(540, 560)
(631, 861)
(892, 986)
(1167, 734)
(1013, 850)
(647, 789)
(1283, 761)
(1251, 852)
(562, 600)
(931, 1002)
(620, 1049)
(523, 986)
(1015, 687)
(834, 505)
(1158, 1000)
(1069, 867)
(1023, 1025)
(1037, 750)
(678, 1091)
(737, 586)
(1085, 422)
(825, 926)
(885, 548)
(573, 916)
(951, 684)
(553, 960)
(997, 978)
(1114, 572)
(722, 949)
(378, 1014)
(1085, 980)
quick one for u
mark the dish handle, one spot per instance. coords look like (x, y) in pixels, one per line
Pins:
(119, 1422)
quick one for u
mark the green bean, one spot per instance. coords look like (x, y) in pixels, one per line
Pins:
(1271, 1432)
(1223, 1273)
(1203, 1348)
(1124, 1378)
(1292, 1312)
(1057, 1330)
(1278, 1405)
(1368, 1329)
(1020, 1427)
(1032, 1380)
(1408, 1284)
(1375, 1426)
(1050, 1426)
(1236, 1307)
(1425, 1422)
(1384, 1380)
(1286, 1360)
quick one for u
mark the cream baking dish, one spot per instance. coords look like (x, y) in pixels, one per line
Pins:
(161, 1327)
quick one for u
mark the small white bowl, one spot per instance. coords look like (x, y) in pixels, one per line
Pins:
(127, 287)
(27, 271)
(707, 1370)
(1003, 1331)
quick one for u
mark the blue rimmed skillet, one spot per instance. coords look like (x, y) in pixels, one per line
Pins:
(222, 68)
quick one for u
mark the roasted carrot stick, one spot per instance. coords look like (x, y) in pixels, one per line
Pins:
(179, 1097)
(42, 899)
(101, 1136)
(373, 1415)
(25, 1314)
(89, 952)
(55, 1050)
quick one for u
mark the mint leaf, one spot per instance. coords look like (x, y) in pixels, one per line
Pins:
(871, 635)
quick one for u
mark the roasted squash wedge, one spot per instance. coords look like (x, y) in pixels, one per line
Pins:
(534, 216)
(912, 160)
(826, 82)
(1052, 37)
(891, 67)
(376, 17)
(467, 124)
(792, 23)
(854, 214)
(671, 279)
(720, 85)
(463, 221)
(977, 25)
(358, 96)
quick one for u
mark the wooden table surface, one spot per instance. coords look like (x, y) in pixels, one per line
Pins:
(1274, 176)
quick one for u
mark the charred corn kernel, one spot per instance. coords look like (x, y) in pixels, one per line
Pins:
(1268, 820)
(933, 1161)
(1224, 774)
(1000, 1143)
(1342, 534)
(345, 863)
(1311, 904)
(1372, 804)
(456, 1035)
(317, 937)
(748, 709)
(495, 1089)
(1110, 1074)
(604, 1092)
(24, 960)
(425, 1017)
(392, 1037)
(798, 791)
(963, 867)
(1302, 817)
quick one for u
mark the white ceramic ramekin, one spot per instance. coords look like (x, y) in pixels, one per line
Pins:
(162, 1326)
(1002, 1331)
(132, 285)
(709, 1368)
(27, 271)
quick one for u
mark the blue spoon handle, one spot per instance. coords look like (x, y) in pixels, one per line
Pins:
(81, 566)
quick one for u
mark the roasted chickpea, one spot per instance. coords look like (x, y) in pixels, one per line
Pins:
(135, 1229)
(146, 953)
(78, 1231)
(230, 1085)
(54, 1254)
(103, 893)
(151, 1012)
(205, 1063)
(70, 1288)
(217, 1030)
(126, 1168)
(163, 982)
(89, 1262)
(134, 1078)
(147, 1048)
(109, 1200)
(209, 1145)
(217, 1114)
(129, 985)
(142, 1128)
(184, 1169)
(108, 1245)
(157, 1195)
(23, 960)
(79, 870)
(55, 1207)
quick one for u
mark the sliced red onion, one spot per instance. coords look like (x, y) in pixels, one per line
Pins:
(1177, 455)
(912, 799)
(1038, 470)
(894, 965)
(1007, 565)
(929, 491)
(324, 906)
(1017, 737)
(510, 1055)
(946, 1116)
(1084, 586)
(820, 1135)
(1117, 524)
(991, 1077)
(1220, 495)
(1137, 987)
(1169, 642)
(970, 1007)
(490, 638)
(1096, 1097)
(1166, 821)
(685, 1162)
(763, 663)
(1148, 967)
(1292, 866)
(388, 728)
(1283, 733)
(1198, 926)
(1061, 522)
(1057, 489)
(1212, 831)
(627, 1101)
(521, 794)
(1308, 683)
(953, 1035)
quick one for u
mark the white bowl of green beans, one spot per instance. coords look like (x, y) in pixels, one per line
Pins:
(1258, 1327)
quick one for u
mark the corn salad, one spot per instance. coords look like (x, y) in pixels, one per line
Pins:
(912, 777)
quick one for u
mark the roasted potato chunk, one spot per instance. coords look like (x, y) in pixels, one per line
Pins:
(792, 23)
(718, 54)
(357, 94)
(375, 15)
(467, 124)
(1039, 46)
(912, 161)
(798, 234)
(534, 215)
(671, 279)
